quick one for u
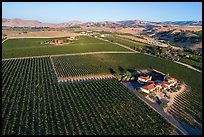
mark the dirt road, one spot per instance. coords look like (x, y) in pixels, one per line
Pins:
(75, 54)
(119, 45)
(4, 41)
(188, 66)
(97, 53)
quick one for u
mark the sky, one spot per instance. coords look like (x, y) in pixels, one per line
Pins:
(59, 12)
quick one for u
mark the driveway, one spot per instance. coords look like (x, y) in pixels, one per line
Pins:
(157, 108)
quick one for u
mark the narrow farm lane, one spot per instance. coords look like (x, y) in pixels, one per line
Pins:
(119, 45)
(75, 54)
(150, 54)
(157, 108)
(94, 52)
(188, 66)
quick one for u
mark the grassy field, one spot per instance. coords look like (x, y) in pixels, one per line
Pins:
(32, 47)
(199, 33)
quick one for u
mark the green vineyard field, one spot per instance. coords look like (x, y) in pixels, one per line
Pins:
(27, 47)
(104, 63)
(33, 103)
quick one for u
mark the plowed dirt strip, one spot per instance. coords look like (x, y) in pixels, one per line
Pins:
(85, 78)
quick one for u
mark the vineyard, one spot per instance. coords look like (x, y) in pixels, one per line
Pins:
(186, 108)
(188, 112)
(32, 103)
(77, 68)
(127, 42)
(27, 47)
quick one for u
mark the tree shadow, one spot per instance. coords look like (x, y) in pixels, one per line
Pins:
(133, 72)
(112, 71)
(122, 70)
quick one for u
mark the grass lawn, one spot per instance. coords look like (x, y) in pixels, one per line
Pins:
(32, 47)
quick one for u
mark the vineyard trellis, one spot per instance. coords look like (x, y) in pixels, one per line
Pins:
(70, 69)
(187, 108)
(33, 103)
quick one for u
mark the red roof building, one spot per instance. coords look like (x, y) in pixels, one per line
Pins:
(148, 88)
(171, 80)
(150, 81)
(158, 85)
(144, 79)
(165, 85)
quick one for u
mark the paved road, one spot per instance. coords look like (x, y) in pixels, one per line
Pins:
(158, 109)
(74, 54)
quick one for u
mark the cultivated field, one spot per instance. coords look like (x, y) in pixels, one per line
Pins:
(33, 103)
(126, 42)
(18, 34)
(13, 48)
(107, 63)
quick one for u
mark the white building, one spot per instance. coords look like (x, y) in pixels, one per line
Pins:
(149, 88)
(165, 85)
(102, 35)
(143, 79)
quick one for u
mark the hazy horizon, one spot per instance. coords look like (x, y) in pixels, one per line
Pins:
(101, 21)
(59, 12)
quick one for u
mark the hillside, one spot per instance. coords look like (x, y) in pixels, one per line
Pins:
(178, 33)
(124, 24)
(181, 38)
(193, 23)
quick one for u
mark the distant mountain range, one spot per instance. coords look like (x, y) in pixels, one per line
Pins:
(195, 23)
(124, 24)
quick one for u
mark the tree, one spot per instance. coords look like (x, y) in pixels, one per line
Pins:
(139, 49)
(127, 73)
(167, 74)
(132, 78)
(163, 50)
(154, 50)
(128, 79)
(117, 76)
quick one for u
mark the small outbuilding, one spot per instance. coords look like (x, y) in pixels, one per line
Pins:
(59, 41)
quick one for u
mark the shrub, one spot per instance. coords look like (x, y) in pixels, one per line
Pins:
(143, 93)
(154, 99)
(163, 105)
